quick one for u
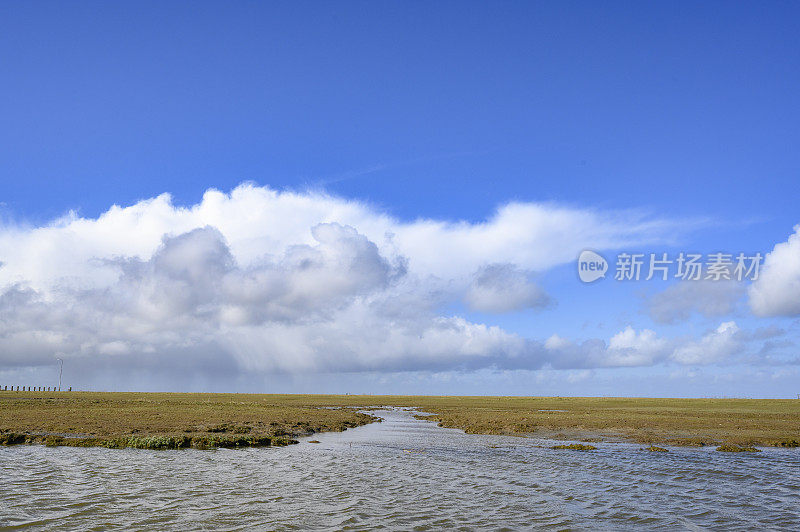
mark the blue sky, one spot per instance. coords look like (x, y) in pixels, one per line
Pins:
(680, 112)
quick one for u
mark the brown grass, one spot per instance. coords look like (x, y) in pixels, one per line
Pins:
(672, 421)
(164, 421)
(746, 422)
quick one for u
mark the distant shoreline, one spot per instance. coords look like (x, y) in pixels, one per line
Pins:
(192, 420)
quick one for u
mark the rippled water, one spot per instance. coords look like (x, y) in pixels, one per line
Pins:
(400, 474)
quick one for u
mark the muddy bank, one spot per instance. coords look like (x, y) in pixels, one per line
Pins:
(148, 442)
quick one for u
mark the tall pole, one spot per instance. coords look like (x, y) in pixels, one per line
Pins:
(60, 371)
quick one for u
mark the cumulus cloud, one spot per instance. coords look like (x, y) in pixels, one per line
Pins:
(776, 292)
(725, 345)
(627, 348)
(259, 223)
(259, 281)
(715, 346)
(631, 348)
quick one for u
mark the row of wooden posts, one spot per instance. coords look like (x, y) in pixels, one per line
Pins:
(34, 389)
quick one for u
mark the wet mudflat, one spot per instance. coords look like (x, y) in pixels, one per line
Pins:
(404, 473)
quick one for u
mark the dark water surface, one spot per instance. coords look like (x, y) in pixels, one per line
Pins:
(401, 474)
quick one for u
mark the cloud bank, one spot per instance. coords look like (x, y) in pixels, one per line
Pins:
(259, 281)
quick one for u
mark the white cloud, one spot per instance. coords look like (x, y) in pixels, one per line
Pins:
(631, 348)
(776, 292)
(716, 346)
(259, 281)
(643, 348)
(626, 348)
(556, 342)
(259, 223)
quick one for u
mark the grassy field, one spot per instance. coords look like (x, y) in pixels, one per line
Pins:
(163, 420)
(670, 421)
(244, 419)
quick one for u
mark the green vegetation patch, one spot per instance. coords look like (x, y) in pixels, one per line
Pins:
(158, 443)
(13, 438)
(576, 447)
(655, 449)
